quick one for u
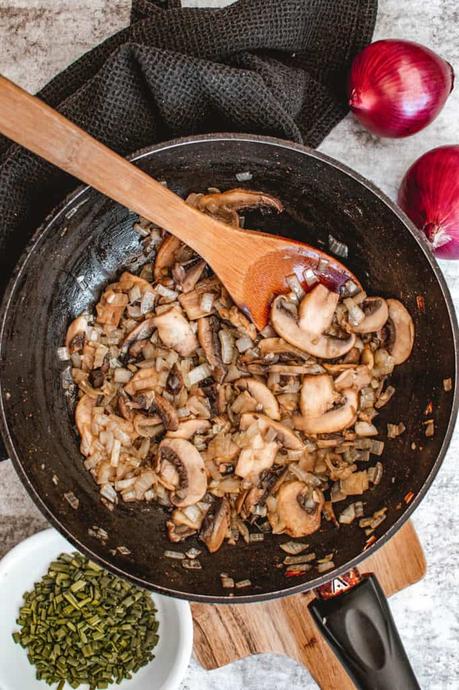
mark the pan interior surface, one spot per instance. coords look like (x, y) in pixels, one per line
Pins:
(86, 244)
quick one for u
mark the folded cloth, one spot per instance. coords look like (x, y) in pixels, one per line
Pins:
(273, 67)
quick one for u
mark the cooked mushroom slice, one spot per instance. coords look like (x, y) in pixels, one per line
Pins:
(140, 332)
(317, 309)
(143, 380)
(284, 435)
(188, 463)
(376, 315)
(188, 428)
(336, 419)
(83, 420)
(147, 426)
(110, 307)
(258, 456)
(298, 510)
(176, 332)
(128, 280)
(178, 533)
(75, 337)
(125, 410)
(192, 276)
(167, 413)
(278, 346)
(174, 383)
(402, 331)
(322, 346)
(262, 395)
(165, 256)
(210, 342)
(225, 205)
(357, 378)
(317, 395)
(216, 525)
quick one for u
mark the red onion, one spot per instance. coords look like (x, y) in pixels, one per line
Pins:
(398, 87)
(429, 194)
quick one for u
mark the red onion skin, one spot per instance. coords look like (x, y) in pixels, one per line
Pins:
(429, 195)
(397, 88)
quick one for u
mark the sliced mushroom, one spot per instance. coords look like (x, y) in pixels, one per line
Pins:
(110, 307)
(192, 275)
(148, 426)
(216, 525)
(174, 383)
(317, 309)
(176, 332)
(83, 420)
(188, 463)
(317, 395)
(128, 280)
(237, 319)
(143, 380)
(188, 428)
(284, 435)
(75, 337)
(125, 410)
(210, 342)
(224, 205)
(178, 533)
(165, 256)
(279, 346)
(322, 346)
(291, 517)
(356, 378)
(262, 395)
(167, 412)
(336, 419)
(192, 301)
(140, 332)
(256, 458)
(402, 331)
(376, 314)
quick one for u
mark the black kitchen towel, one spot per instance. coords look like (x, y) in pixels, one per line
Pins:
(273, 67)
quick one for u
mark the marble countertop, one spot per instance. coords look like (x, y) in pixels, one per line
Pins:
(38, 38)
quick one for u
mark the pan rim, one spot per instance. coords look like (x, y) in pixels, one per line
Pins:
(408, 511)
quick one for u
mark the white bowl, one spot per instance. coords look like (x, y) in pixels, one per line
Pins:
(27, 563)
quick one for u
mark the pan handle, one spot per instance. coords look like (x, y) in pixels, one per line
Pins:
(359, 627)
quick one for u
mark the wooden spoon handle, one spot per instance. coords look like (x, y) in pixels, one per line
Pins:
(30, 122)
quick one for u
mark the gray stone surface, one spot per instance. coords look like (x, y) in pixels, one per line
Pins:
(40, 37)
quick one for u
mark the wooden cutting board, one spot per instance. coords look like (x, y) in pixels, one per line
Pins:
(225, 633)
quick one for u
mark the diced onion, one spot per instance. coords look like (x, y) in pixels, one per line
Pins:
(365, 429)
(244, 343)
(226, 341)
(310, 277)
(134, 294)
(207, 301)
(166, 293)
(108, 492)
(115, 455)
(147, 302)
(245, 176)
(203, 371)
(63, 354)
(295, 286)
(338, 248)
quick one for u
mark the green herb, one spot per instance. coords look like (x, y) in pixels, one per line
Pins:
(82, 625)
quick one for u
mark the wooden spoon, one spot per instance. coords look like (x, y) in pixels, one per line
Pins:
(252, 265)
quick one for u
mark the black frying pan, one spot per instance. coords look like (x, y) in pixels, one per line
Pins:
(87, 241)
